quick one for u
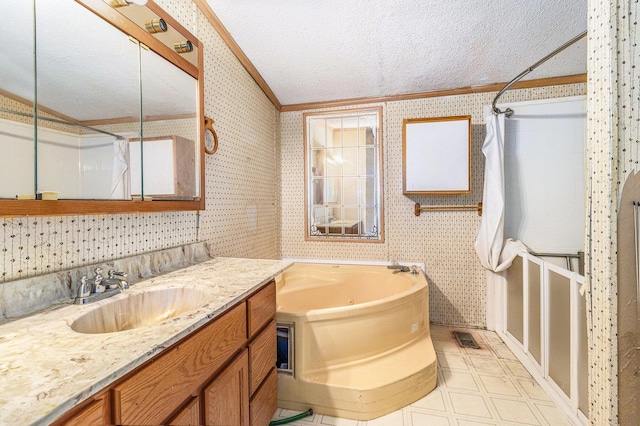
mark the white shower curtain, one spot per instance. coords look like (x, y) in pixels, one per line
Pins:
(495, 253)
(120, 187)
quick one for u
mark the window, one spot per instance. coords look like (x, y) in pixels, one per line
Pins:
(343, 185)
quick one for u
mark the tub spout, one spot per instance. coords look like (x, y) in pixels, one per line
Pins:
(400, 268)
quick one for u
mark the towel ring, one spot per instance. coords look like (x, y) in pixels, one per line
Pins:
(210, 142)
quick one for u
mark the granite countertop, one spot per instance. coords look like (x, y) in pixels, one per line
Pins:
(46, 368)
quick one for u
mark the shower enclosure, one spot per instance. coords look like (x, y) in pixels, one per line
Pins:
(544, 322)
(540, 299)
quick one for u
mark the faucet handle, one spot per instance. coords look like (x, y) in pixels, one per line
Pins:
(85, 289)
(98, 287)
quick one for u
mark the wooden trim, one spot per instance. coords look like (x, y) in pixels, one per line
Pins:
(16, 208)
(237, 51)
(41, 108)
(406, 121)
(377, 109)
(523, 84)
(201, 129)
(122, 120)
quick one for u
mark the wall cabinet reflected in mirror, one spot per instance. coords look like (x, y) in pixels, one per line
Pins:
(97, 90)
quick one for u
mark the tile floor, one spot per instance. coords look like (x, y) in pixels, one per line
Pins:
(486, 386)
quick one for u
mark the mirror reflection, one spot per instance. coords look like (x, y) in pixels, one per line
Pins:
(17, 90)
(169, 130)
(99, 92)
(343, 175)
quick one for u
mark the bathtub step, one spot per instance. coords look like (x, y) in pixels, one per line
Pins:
(381, 370)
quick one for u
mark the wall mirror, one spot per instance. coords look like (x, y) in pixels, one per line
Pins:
(116, 92)
(436, 156)
(343, 185)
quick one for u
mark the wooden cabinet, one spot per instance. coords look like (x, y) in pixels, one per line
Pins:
(169, 164)
(262, 356)
(222, 374)
(189, 415)
(96, 411)
(264, 402)
(151, 395)
(226, 399)
(260, 309)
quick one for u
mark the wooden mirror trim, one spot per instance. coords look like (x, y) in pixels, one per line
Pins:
(425, 163)
(14, 208)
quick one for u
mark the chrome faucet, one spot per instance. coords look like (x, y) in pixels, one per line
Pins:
(99, 287)
(400, 268)
(116, 279)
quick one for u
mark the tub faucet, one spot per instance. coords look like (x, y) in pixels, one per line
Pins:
(400, 268)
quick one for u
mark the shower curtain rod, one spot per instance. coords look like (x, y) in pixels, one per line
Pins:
(508, 112)
(55, 120)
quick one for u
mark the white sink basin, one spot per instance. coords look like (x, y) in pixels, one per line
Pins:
(138, 310)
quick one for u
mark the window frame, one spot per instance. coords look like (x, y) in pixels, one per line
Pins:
(379, 177)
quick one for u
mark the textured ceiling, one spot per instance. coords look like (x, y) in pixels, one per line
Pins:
(312, 51)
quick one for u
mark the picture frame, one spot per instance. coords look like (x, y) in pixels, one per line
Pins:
(436, 156)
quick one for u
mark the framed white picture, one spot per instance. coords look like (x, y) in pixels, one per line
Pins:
(436, 156)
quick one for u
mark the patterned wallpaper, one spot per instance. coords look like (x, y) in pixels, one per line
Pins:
(613, 128)
(442, 240)
(241, 216)
(245, 209)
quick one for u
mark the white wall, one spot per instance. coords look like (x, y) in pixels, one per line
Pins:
(16, 162)
(544, 174)
(96, 166)
(68, 163)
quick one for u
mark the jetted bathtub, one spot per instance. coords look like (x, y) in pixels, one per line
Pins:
(361, 341)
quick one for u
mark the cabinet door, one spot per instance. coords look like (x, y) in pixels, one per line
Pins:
(161, 387)
(188, 416)
(265, 401)
(226, 399)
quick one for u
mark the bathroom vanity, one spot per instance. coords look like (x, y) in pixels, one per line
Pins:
(213, 364)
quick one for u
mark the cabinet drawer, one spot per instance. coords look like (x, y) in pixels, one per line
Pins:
(159, 388)
(262, 356)
(265, 402)
(96, 413)
(261, 308)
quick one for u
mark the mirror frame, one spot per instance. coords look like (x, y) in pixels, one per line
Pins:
(13, 208)
(308, 176)
(436, 156)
